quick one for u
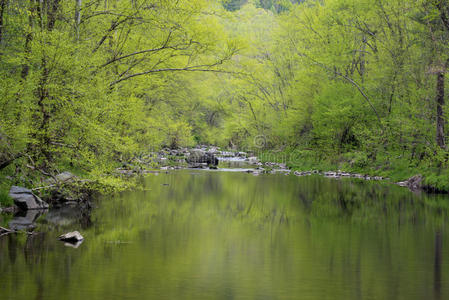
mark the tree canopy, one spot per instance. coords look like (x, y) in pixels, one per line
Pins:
(86, 84)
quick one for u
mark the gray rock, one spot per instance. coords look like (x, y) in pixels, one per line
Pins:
(330, 174)
(25, 199)
(71, 237)
(213, 150)
(197, 153)
(415, 183)
(61, 178)
(65, 176)
(199, 157)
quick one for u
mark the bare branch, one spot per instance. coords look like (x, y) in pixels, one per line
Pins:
(186, 69)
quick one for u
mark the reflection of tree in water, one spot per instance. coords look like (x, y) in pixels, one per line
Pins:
(437, 264)
(237, 232)
(364, 201)
(66, 217)
(34, 250)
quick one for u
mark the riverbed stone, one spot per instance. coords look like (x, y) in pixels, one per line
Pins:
(25, 199)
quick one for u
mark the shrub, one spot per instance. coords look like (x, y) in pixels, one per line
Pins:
(5, 200)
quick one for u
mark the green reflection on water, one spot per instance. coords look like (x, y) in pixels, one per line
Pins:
(217, 235)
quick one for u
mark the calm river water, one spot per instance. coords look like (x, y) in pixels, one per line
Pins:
(227, 235)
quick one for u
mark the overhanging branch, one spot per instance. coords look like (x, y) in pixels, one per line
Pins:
(187, 69)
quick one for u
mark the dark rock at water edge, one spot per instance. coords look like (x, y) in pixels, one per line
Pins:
(199, 157)
(414, 183)
(25, 199)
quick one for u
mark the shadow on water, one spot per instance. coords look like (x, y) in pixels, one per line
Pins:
(218, 235)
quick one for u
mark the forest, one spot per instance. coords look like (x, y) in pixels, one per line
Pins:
(88, 85)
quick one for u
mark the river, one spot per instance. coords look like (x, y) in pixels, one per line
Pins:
(195, 234)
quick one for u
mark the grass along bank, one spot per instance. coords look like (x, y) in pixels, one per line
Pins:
(394, 167)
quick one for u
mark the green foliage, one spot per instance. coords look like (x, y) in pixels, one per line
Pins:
(233, 5)
(351, 81)
(5, 200)
(277, 5)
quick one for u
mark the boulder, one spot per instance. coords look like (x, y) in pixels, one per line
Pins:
(213, 150)
(330, 174)
(199, 157)
(65, 177)
(71, 237)
(25, 199)
(415, 183)
(61, 178)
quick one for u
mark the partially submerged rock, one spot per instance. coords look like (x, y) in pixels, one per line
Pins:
(413, 183)
(71, 237)
(25, 199)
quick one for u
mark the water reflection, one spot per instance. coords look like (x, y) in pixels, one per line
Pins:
(25, 220)
(215, 235)
(438, 264)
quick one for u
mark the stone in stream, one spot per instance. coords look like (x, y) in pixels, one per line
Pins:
(198, 158)
(71, 237)
(25, 199)
(414, 183)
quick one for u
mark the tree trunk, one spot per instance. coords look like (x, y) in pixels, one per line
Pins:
(2, 13)
(9, 161)
(440, 104)
(78, 18)
(52, 14)
(28, 39)
(438, 262)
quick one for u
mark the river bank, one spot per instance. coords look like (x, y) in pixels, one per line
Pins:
(67, 188)
(396, 169)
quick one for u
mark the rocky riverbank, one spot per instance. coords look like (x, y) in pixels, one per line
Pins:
(71, 195)
(67, 189)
